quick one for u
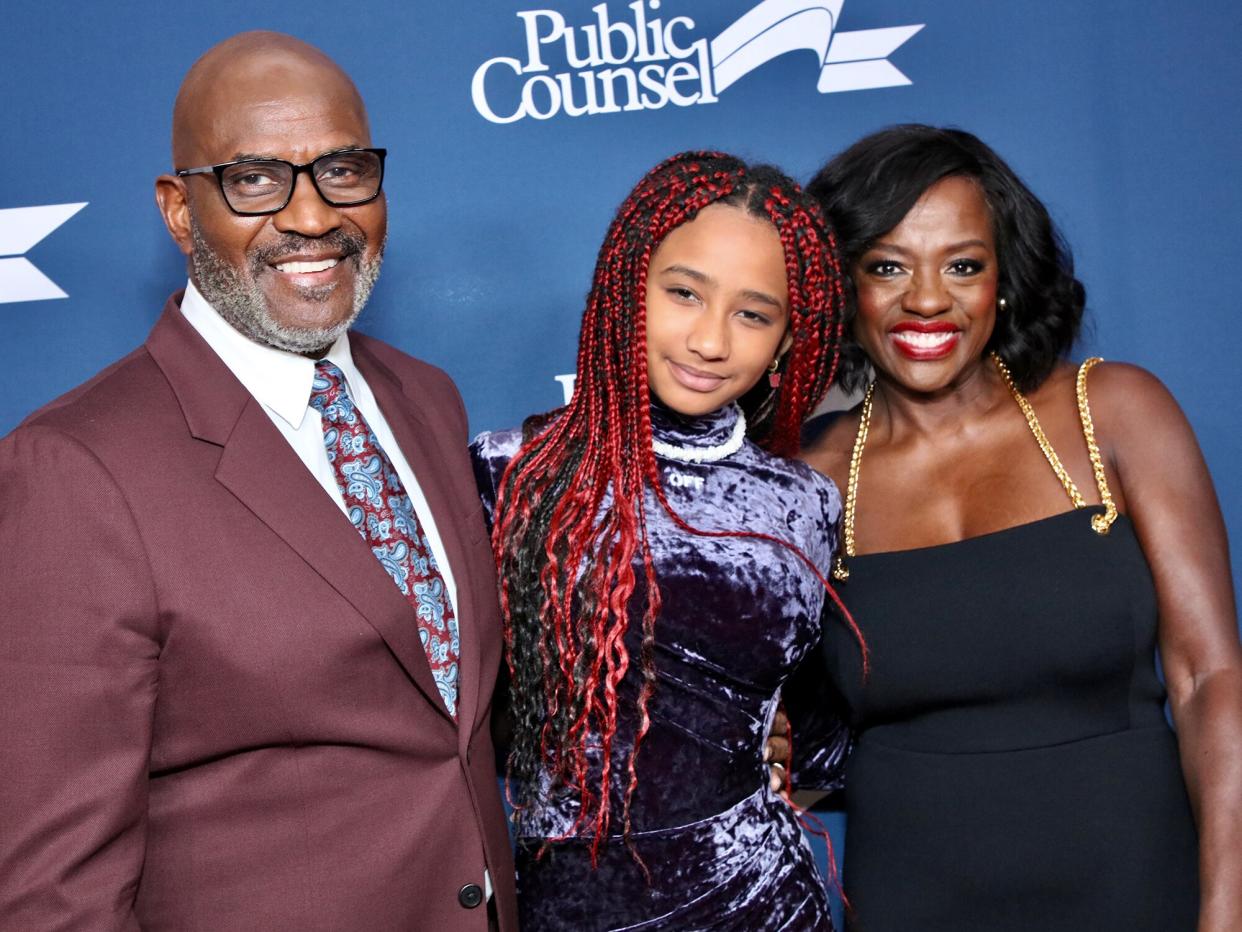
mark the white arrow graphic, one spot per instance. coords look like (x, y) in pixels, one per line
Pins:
(20, 229)
(849, 61)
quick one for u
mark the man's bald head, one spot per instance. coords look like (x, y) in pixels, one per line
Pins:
(251, 69)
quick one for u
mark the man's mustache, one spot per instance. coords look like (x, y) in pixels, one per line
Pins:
(291, 244)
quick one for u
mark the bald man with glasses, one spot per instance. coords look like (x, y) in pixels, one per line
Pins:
(249, 630)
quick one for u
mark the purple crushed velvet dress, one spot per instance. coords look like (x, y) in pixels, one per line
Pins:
(738, 615)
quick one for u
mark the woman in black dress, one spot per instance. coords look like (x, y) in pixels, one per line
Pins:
(1020, 536)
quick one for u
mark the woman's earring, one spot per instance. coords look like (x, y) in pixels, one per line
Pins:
(774, 377)
(1001, 303)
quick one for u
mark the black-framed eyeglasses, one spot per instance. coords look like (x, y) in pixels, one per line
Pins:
(265, 186)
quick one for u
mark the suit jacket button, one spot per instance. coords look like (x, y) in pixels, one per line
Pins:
(470, 896)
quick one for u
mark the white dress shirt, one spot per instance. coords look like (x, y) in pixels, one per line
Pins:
(281, 382)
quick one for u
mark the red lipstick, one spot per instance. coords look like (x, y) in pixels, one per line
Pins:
(924, 340)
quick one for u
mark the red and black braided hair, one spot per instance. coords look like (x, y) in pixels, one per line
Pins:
(570, 534)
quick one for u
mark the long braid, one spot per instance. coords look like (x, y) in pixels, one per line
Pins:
(570, 520)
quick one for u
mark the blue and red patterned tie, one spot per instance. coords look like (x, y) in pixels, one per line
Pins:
(381, 510)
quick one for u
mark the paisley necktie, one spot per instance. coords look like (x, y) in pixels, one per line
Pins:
(380, 509)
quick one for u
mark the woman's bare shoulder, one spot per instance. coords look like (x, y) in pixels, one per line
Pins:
(1113, 389)
(1127, 385)
(1131, 409)
(1125, 398)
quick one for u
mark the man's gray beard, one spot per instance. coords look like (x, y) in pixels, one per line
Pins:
(237, 297)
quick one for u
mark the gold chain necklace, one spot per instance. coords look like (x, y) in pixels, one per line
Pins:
(1099, 523)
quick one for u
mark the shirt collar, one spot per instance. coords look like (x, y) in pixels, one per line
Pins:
(278, 379)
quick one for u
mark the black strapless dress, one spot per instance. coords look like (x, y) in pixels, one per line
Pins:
(1014, 769)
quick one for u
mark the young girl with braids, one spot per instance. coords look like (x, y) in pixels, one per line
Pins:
(662, 566)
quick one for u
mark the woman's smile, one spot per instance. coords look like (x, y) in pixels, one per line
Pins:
(925, 340)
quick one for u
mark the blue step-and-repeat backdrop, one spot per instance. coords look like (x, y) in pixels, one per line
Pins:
(514, 127)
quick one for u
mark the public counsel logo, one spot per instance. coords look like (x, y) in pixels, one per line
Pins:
(20, 229)
(640, 61)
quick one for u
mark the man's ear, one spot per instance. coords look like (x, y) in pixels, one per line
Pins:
(171, 198)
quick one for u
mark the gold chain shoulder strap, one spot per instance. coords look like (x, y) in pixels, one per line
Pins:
(1100, 523)
(840, 571)
(1033, 423)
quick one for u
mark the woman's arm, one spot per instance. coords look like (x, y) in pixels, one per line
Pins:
(1170, 499)
(821, 740)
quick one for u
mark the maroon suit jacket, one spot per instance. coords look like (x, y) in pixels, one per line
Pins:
(215, 712)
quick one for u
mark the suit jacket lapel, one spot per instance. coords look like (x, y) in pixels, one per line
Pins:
(424, 451)
(263, 472)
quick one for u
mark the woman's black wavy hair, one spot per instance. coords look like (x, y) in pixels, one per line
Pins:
(870, 187)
